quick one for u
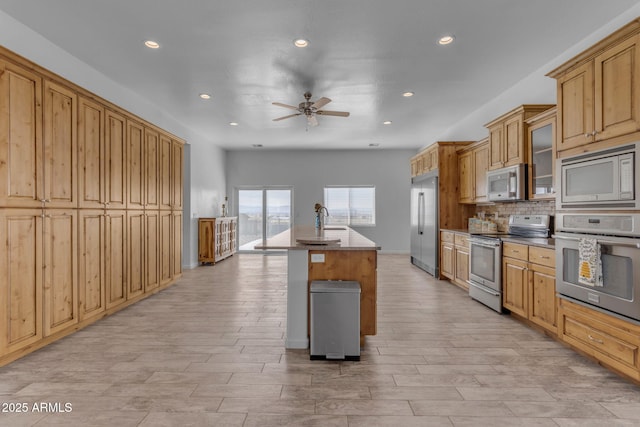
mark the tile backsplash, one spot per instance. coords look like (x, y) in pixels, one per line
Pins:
(533, 207)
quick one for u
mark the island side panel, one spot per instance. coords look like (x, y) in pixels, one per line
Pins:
(297, 300)
(358, 265)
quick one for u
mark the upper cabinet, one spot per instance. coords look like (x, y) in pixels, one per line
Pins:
(508, 136)
(473, 163)
(425, 161)
(21, 169)
(540, 147)
(598, 92)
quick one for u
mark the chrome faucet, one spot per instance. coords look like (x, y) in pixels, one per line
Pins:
(320, 215)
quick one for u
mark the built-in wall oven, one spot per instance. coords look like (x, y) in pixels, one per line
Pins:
(598, 261)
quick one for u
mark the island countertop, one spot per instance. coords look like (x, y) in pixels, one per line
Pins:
(327, 239)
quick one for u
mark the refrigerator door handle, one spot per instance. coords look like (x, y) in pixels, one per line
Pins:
(421, 213)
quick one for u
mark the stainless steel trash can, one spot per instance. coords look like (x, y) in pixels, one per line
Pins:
(335, 320)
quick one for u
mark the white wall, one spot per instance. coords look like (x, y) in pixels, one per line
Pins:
(308, 171)
(204, 175)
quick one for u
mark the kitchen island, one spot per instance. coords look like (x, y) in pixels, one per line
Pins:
(335, 253)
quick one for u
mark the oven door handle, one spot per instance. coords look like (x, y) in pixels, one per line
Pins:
(484, 289)
(484, 243)
(601, 242)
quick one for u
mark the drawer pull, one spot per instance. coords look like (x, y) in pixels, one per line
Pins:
(596, 340)
(545, 257)
(515, 252)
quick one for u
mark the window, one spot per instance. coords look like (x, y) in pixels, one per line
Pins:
(350, 205)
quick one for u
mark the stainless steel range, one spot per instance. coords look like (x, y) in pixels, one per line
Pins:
(485, 253)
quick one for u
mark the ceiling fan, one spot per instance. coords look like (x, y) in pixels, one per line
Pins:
(310, 109)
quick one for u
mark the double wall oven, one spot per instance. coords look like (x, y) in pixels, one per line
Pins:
(597, 244)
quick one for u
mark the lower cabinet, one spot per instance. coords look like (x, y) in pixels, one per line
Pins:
(454, 257)
(529, 284)
(20, 278)
(612, 341)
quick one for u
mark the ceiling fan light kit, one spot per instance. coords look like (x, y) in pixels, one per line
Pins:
(310, 109)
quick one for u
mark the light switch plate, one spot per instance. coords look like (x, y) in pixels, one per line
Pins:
(317, 257)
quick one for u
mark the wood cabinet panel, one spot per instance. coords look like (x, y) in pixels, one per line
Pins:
(20, 137)
(136, 255)
(91, 248)
(480, 167)
(152, 170)
(116, 260)
(135, 167)
(20, 278)
(613, 342)
(152, 250)
(515, 250)
(465, 169)
(176, 244)
(166, 250)
(461, 276)
(176, 174)
(166, 188)
(514, 286)
(91, 172)
(60, 270)
(543, 305)
(447, 260)
(115, 161)
(617, 82)
(575, 108)
(60, 146)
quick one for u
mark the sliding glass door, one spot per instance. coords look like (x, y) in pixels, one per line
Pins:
(263, 212)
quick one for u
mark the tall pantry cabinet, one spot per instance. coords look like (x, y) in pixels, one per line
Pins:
(90, 207)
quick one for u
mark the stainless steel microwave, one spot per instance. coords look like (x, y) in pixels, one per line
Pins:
(507, 184)
(604, 179)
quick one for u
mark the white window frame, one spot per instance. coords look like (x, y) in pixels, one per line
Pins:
(329, 219)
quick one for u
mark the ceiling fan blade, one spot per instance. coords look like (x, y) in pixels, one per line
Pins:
(321, 102)
(333, 113)
(280, 104)
(286, 117)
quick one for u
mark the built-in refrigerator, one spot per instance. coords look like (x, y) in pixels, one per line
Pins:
(424, 222)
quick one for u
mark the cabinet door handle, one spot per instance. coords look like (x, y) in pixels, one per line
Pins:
(596, 340)
(544, 257)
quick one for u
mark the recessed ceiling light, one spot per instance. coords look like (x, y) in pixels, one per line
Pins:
(408, 94)
(387, 122)
(256, 145)
(448, 39)
(233, 123)
(374, 145)
(301, 42)
(205, 96)
(151, 44)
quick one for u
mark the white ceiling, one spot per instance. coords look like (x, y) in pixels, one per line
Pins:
(363, 54)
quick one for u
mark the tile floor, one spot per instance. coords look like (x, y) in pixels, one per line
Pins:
(209, 351)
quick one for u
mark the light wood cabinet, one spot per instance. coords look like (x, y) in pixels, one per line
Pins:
(541, 149)
(598, 91)
(612, 341)
(21, 277)
(176, 244)
(508, 136)
(102, 160)
(21, 168)
(91, 173)
(473, 162)
(90, 207)
(216, 238)
(529, 284)
(454, 257)
(60, 108)
(60, 281)
(447, 256)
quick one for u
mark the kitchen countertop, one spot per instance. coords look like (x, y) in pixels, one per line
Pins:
(349, 239)
(548, 243)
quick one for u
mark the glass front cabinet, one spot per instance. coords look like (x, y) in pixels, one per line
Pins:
(541, 143)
